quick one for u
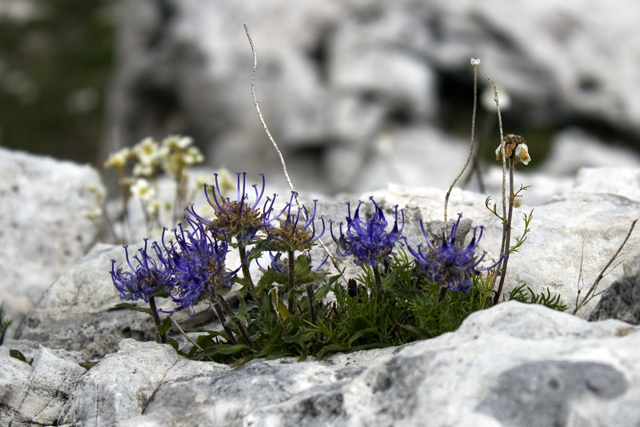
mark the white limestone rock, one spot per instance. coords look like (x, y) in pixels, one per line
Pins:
(513, 364)
(573, 229)
(42, 201)
(34, 393)
(574, 149)
(123, 384)
(78, 312)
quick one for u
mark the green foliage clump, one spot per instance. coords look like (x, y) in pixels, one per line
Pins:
(529, 297)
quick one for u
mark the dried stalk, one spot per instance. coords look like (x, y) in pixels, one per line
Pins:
(474, 63)
(588, 297)
(273, 142)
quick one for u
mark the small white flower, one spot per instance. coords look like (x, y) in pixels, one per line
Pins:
(177, 142)
(143, 170)
(475, 62)
(153, 207)
(142, 190)
(118, 160)
(522, 154)
(147, 151)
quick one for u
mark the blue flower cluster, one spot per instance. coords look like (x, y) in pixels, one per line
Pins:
(139, 283)
(367, 240)
(189, 269)
(448, 264)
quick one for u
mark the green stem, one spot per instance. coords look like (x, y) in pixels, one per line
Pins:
(156, 318)
(312, 301)
(245, 269)
(292, 278)
(243, 330)
(443, 292)
(376, 274)
(223, 321)
(507, 236)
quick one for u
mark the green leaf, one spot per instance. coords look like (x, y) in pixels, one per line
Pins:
(165, 326)
(333, 348)
(17, 355)
(130, 306)
(282, 310)
(268, 278)
(88, 365)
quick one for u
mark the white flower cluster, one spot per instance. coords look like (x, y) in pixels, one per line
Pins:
(138, 169)
(178, 153)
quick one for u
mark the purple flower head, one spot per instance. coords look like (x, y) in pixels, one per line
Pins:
(141, 281)
(194, 265)
(297, 229)
(234, 218)
(367, 240)
(448, 264)
(276, 263)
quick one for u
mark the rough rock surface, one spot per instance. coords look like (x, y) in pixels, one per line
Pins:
(336, 77)
(34, 393)
(44, 231)
(513, 364)
(621, 300)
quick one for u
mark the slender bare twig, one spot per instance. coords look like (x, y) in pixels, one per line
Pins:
(195, 344)
(593, 287)
(580, 278)
(185, 335)
(505, 245)
(506, 235)
(273, 142)
(474, 63)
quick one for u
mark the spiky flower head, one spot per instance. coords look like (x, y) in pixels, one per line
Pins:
(367, 240)
(234, 218)
(194, 265)
(296, 230)
(141, 282)
(452, 266)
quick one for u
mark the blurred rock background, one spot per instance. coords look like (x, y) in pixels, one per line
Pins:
(357, 93)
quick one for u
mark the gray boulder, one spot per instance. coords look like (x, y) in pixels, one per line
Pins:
(621, 300)
(42, 204)
(513, 364)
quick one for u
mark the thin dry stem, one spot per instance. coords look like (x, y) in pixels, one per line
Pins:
(273, 142)
(473, 128)
(590, 295)
(505, 245)
(580, 278)
(185, 335)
